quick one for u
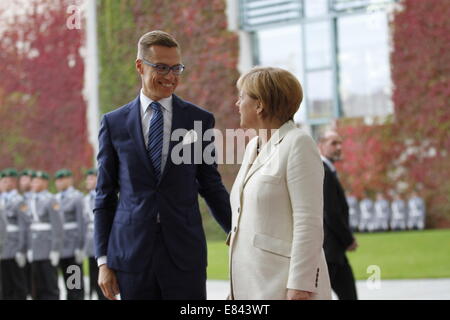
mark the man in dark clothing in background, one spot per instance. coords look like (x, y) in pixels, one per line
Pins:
(338, 237)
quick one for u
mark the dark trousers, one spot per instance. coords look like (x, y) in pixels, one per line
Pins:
(13, 280)
(163, 280)
(44, 280)
(342, 280)
(28, 278)
(76, 293)
(93, 280)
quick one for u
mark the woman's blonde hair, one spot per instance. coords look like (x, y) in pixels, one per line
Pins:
(277, 89)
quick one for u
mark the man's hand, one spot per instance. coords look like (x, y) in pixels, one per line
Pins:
(54, 258)
(30, 256)
(108, 282)
(79, 256)
(21, 260)
(353, 246)
(298, 295)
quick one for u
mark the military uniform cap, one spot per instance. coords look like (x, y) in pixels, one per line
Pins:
(92, 171)
(63, 173)
(10, 173)
(41, 174)
(27, 172)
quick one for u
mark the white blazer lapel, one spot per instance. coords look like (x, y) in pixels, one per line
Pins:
(269, 149)
(247, 163)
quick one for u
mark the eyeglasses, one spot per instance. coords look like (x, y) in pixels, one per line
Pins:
(164, 69)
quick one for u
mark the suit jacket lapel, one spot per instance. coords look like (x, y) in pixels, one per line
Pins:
(338, 183)
(340, 189)
(134, 126)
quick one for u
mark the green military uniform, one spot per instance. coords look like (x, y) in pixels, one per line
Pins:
(3, 224)
(72, 213)
(13, 258)
(46, 236)
(89, 202)
(27, 195)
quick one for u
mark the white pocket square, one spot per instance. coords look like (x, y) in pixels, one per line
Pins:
(190, 137)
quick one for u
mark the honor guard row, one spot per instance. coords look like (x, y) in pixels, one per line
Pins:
(41, 232)
(381, 215)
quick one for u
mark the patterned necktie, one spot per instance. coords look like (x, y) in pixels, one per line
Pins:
(155, 138)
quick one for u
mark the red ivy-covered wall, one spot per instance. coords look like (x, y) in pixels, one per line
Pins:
(368, 157)
(414, 149)
(421, 77)
(42, 110)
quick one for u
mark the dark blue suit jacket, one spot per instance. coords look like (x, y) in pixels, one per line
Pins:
(129, 196)
(337, 233)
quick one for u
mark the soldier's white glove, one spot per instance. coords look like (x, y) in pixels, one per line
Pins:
(30, 256)
(20, 259)
(79, 256)
(54, 258)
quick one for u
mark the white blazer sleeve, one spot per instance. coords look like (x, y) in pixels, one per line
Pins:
(304, 176)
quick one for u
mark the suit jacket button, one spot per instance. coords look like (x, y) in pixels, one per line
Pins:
(234, 230)
(239, 210)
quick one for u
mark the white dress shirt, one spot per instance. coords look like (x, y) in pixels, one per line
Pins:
(329, 163)
(146, 116)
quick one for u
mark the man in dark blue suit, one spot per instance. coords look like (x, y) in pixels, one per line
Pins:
(338, 236)
(149, 239)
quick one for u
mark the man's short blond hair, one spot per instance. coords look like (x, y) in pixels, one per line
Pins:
(277, 89)
(155, 38)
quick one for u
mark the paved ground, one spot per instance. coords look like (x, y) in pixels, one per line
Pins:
(423, 289)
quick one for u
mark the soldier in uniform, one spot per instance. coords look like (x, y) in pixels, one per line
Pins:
(399, 214)
(416, 212)
(353, 211)
(25, 183)
(71, 211)
(367, 215)
(89, 201)
(46, 236)
(382, 213)
(13, 256)
(25, 189)
(2, 228)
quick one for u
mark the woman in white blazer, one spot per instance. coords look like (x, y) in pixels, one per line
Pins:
(277, 198)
